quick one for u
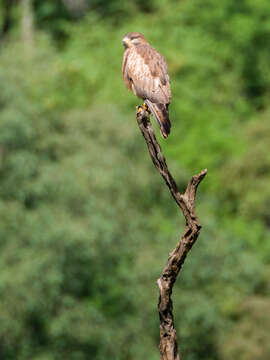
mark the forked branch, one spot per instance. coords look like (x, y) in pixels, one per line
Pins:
(186, 202)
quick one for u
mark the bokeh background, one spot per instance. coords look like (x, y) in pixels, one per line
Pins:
(86, 222)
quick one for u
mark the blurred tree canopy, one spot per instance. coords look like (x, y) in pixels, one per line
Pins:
(86, 224)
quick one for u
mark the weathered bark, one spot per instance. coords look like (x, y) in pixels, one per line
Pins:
(186, 202)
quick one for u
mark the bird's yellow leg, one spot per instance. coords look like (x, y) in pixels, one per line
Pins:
(144, 105)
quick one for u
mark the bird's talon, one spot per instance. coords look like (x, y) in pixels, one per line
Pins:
(144, 105)
(140, 109)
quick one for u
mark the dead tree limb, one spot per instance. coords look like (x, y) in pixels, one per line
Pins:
(186, 202)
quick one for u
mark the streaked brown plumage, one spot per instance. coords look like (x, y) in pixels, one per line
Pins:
(145, 72)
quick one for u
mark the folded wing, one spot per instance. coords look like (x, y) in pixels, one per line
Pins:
(146, 73)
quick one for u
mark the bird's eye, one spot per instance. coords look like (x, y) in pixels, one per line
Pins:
(135, 40)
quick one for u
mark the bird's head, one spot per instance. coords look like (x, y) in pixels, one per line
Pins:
(132, 39)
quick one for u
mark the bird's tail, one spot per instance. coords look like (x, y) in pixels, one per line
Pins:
(161, 114)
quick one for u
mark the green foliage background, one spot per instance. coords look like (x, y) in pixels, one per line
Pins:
(86, 223)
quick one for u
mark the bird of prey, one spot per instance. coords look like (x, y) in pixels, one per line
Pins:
(145, 72)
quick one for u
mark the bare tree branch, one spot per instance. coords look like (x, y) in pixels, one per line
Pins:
(186, 202)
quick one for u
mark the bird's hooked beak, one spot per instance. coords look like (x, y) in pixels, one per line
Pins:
(126, 42)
